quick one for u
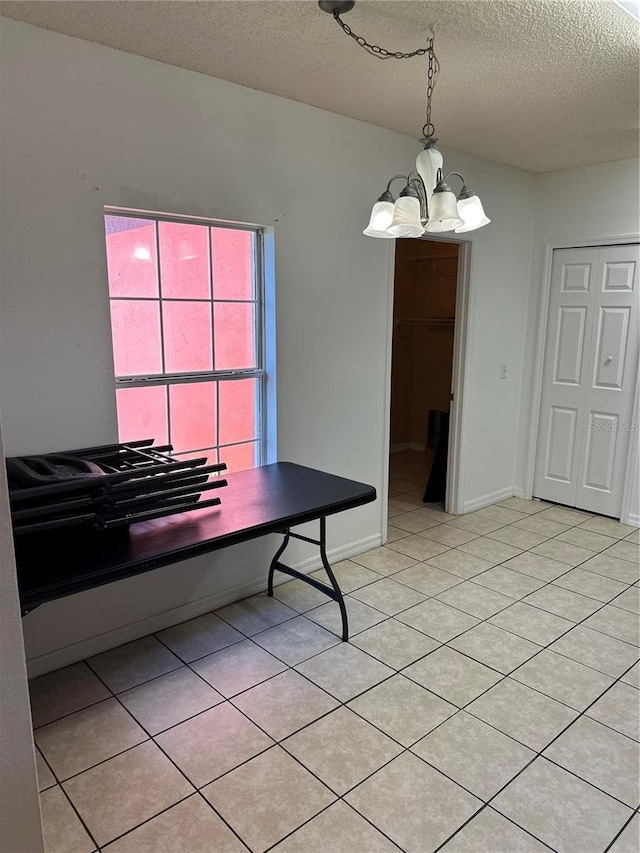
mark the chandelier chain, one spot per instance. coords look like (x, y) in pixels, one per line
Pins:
(428, 129)
(374, 49)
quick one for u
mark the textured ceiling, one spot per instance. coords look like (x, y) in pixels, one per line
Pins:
(537, 84)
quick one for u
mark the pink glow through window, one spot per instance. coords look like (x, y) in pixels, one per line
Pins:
(142, 412)
(185, 318)
(187, 336)
(193, 415)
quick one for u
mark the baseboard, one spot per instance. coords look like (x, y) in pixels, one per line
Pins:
(126, 633)
(339, 554)
(487, 500)
(633, 520)
(408, 445)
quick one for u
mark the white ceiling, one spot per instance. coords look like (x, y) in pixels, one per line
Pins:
(537, 84)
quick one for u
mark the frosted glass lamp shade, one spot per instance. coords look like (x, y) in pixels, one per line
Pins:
(381, 216)
(428, 164)
(472, 214)
(443, 212)
(406, 218)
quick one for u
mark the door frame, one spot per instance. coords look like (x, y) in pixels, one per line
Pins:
(454, 496)
(541, 340)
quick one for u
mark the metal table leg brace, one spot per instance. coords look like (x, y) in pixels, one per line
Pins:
(332, 591)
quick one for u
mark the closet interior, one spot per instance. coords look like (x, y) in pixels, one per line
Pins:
(426, 273)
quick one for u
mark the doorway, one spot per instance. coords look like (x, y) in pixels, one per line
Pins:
(424, 321)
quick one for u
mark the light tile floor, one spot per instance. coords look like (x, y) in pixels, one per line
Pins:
(488, 702)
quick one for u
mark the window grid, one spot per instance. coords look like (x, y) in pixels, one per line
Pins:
(156, 232)
(180, 299)
(167, 379)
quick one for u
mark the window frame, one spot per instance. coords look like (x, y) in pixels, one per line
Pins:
(264, 331)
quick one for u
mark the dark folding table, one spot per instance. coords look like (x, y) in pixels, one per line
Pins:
(271, 499)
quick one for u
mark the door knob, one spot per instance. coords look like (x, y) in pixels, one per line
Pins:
(608, 359)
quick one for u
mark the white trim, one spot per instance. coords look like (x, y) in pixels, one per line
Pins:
(408, 445)
(386, 397)
(269, 344)
(338, 554)
(398, 448)
(127, 212)
(631, 487)
(536, 393)
(126, 633)
(489, 499)
(462, 346)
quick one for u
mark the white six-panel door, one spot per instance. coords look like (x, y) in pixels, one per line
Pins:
(589, 378)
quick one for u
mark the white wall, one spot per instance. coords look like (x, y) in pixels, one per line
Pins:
(85, 126)
(20, 828)
(591, 204)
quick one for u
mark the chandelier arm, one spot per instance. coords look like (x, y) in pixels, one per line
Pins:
(397, 178)
(448, 175)
(418, 184)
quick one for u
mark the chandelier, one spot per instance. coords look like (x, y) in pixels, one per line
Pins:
(426, 203)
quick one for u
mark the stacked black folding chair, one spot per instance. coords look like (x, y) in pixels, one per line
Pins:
(107, 487)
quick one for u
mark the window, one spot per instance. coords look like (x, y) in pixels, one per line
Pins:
(188, 330)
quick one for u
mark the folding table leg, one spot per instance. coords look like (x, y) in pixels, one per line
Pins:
(333, 590)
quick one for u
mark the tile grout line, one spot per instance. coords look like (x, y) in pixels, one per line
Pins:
(544, 584)
(279, 743)
(292, 667)
(381, 577)
(620, 831)
(146, 820)
(326, 808)
(617, 680)
(407, 749)
(451, 520)
(151, 739)
(545, 648)
(486, 806)
(395, 671)
(79, 816)
(539, 754)
(342, 704)
(542, 648)
(276, 743)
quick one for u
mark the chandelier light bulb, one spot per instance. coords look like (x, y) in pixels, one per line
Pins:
(471, 212)
(443, 210)
(406, 218)
(381, 217)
